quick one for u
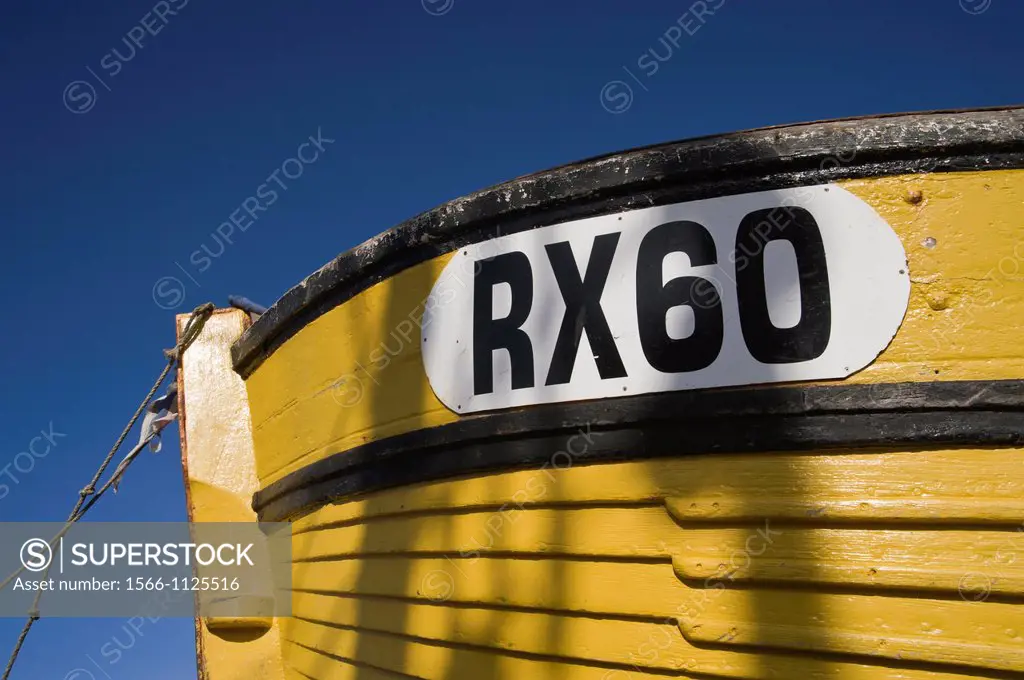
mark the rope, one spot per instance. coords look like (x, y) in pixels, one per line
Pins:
(193, 327)
(17, 646)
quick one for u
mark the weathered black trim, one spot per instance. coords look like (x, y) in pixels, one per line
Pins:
(787, 418)
(756, 160)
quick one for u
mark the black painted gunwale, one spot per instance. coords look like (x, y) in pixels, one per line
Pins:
(740, 162)
(883, 416)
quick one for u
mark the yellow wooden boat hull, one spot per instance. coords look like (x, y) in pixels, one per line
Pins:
(870, 527)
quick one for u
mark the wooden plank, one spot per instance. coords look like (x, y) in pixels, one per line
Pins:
(632, 646)
(308, 664)
(220, 478)
(896, 627)
(622, 532)
(966, 486)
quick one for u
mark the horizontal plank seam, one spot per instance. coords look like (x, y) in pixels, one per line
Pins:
(351, 662)
(498, 651)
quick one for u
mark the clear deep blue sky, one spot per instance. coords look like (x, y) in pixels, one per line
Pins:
(100, 205)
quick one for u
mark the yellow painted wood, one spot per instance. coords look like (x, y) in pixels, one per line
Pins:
(629, 645)
(623, 532)
(609, 641)
(351, 376)
(421, 659)
(938, 631)
(922, 560)
(540, 584)
(908, 510)
(220, 478)
(309, 664)
(983, 635)
(965, 285)
(865, 566)
(355, 374)
(962, 486)
(746, 571)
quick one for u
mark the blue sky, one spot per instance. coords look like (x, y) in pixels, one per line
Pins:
(119, 167)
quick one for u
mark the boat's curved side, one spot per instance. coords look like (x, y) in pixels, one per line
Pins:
(866, 527)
